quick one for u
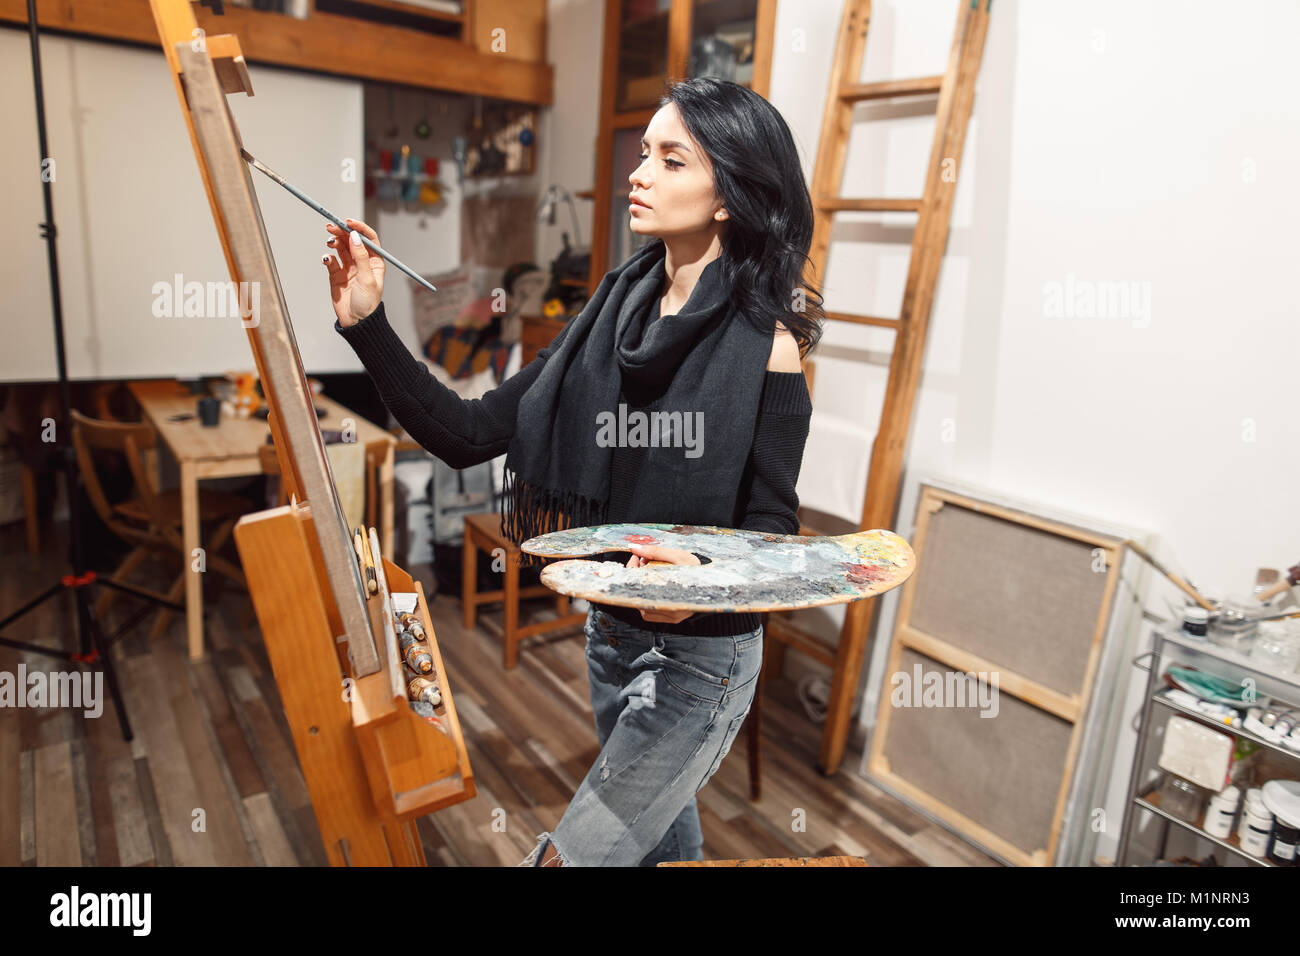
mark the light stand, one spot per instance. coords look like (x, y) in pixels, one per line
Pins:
(94, 646)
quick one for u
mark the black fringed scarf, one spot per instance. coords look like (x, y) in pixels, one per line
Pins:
(558, 461)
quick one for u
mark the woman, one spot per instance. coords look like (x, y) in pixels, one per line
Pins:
(704, 325)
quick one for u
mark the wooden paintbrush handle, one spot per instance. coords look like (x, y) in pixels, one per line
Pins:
(1191, 592)
(1275, 590)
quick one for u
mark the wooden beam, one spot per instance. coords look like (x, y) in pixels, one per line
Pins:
(322, 43)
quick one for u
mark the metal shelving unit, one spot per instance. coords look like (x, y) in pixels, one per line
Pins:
(1143, 796)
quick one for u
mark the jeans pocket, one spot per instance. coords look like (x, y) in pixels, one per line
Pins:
(699, 667)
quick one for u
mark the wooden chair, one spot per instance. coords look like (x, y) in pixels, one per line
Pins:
(149, 520)
(483, 531)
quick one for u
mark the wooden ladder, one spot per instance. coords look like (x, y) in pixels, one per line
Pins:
(956, 94)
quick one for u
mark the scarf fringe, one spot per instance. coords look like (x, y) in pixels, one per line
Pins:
(528, 511)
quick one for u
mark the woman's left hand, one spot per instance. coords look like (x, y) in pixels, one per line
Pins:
(643, 553)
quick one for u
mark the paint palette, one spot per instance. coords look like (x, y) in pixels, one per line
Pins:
(745, 570)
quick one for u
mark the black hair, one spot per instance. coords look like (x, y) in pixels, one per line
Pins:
(757, 175)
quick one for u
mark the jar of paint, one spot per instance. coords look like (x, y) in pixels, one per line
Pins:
(1196, 621)
(1259, 829)
(1283, 850)
(1254, 798)
(1222, 811)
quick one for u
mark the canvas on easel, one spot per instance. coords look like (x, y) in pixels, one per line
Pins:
(371, 762)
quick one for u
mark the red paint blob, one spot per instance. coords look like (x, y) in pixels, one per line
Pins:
(864, 573)
(640, 539)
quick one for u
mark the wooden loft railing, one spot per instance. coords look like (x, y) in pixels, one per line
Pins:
(322, 43)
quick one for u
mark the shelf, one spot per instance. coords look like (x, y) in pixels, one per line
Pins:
(415, 9)
(322, 43)
(396, 14)
(1151, 802)
(1160, 698)
(1208, 647)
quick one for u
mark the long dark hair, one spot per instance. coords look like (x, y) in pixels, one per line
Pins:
(757, 175)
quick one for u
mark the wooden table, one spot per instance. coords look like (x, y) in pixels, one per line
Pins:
(230, 450)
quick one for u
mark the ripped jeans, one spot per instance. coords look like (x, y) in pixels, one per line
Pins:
(667, 709)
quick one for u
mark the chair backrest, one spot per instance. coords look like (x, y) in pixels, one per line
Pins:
(129, 439)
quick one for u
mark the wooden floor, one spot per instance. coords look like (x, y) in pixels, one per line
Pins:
(212, 777)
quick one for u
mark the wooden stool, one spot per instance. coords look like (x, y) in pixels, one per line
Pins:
(483, 530)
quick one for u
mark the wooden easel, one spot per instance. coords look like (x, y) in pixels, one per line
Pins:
(371, 764)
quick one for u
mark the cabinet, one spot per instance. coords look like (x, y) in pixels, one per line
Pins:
(648, 43)
(1172, 645)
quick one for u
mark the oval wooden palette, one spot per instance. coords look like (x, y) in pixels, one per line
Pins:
(746, 570)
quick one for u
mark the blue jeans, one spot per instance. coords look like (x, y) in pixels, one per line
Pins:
(667, 708)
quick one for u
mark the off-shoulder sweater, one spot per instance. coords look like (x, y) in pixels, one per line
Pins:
(464, 432)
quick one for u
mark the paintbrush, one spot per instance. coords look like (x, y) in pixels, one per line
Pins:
(1194, 594)
(374, 247)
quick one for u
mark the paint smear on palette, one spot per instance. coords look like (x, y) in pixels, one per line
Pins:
(745, 571)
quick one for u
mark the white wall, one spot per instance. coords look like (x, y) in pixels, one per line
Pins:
(131, 210)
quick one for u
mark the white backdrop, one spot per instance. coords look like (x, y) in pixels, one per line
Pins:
(131, 210)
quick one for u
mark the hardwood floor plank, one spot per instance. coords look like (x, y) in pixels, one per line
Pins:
(278, 758)
(176, 790)
(104, 745)
(234, 748)
(131, 829)
(57, 840)
(85, 820)
(10, 790)
(271, 838)
(303, 833)
(162, 850)
(27, 798)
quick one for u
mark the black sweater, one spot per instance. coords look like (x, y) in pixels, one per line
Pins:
(464, 432)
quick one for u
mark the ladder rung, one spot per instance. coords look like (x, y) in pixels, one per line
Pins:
(870, 205)
(918, 86)
(779, 628)
(864, 319)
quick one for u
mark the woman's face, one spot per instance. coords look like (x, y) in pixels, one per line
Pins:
(674, 180)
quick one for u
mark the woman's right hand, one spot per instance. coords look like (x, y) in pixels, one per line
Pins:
(356, 275)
